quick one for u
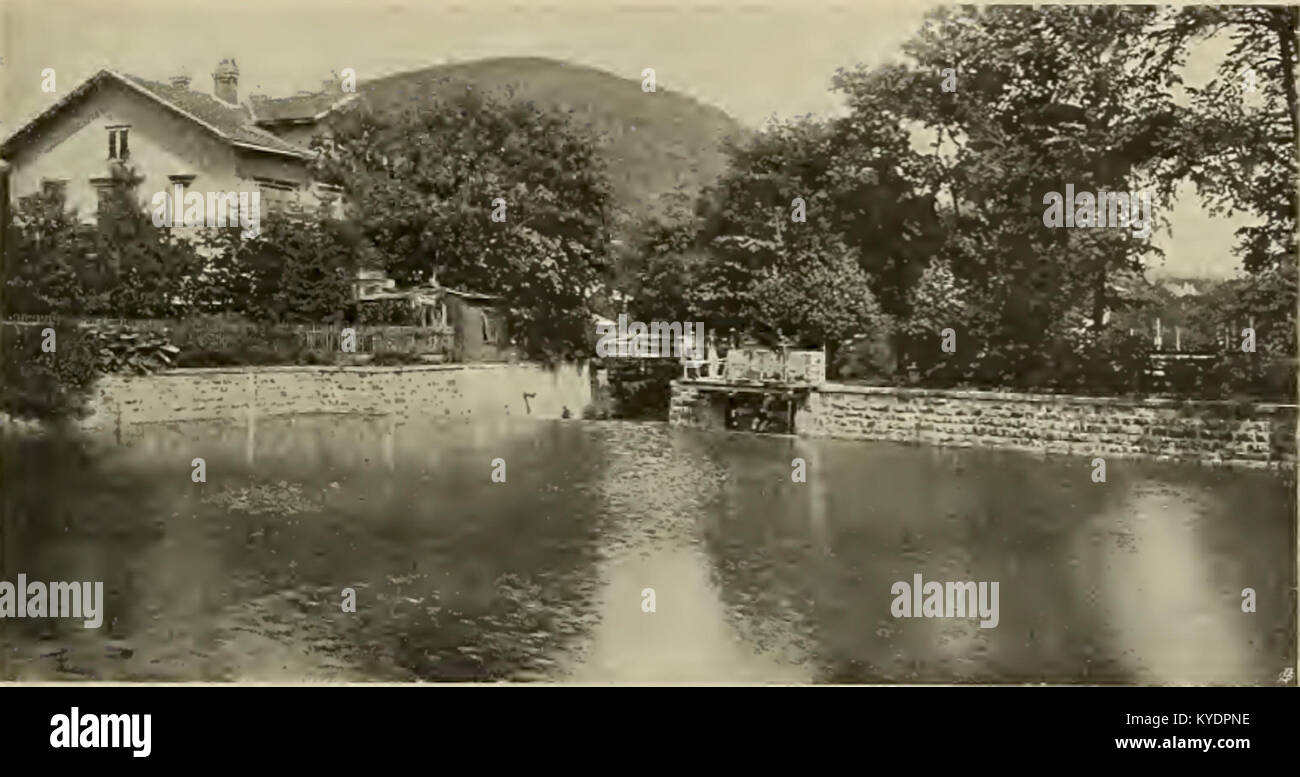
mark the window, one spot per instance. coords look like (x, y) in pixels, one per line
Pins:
(278, 193)
(117, 143)
(330, 198)
(55, 187)
(176, 200)
(491, 328)
(105, 189)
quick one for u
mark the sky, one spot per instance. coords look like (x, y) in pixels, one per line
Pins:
(755, 60)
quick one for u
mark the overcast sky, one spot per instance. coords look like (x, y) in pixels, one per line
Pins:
(752, 59)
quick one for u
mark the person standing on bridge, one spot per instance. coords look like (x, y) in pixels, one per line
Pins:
(715, 364)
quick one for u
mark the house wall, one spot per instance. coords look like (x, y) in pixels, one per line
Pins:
(162, 143)
(256, 163)
(75, 147)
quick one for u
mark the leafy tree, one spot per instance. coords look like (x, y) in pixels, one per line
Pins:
(783, 246)
(824, 300)
(46, 386)
(1238, 141)
(1238, 145)
(426, 185)
(1043, 97)
(300, 270)
(45, 271)
(122, 265)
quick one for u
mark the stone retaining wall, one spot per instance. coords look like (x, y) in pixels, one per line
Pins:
(441, 390)
(1251, 435)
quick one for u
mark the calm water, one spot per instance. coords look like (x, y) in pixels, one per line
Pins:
(542, 577)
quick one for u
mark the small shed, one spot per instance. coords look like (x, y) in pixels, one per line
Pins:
(476, 320)
(479, 323)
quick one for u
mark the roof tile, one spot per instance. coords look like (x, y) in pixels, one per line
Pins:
(301, 106)
(233, 121)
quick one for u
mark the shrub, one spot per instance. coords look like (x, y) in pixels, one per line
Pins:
(1114, 362)
(640, 388)
(257, 356)
(1251, 375)
(397, 312)
(47, 386)
(207, 358)
(396, 359)
(208, 332)
(125, 349)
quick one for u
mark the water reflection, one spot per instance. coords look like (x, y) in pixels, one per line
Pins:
(662, 616)
(756, 578)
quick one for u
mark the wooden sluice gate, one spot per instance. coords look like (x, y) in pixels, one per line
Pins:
(754, 388)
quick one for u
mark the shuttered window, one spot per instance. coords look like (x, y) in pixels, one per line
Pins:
(117, 143)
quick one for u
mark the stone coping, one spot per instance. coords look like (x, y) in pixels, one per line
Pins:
(300, 368)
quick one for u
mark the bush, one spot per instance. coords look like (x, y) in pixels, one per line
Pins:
(232, 340)
(1185, 378)
(257, 356)
(122, 265)
(208, 358)
(213, 332)
(47, 386)
(641, 388)
(397, 312)
(125, 349)
(1080, 362)
(396, 359)
(1114, 362)
(1251, 375)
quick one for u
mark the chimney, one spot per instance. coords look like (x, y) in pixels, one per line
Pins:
(225, 81)
(180, 81)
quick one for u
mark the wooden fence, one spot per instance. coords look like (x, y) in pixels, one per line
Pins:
(379, 339)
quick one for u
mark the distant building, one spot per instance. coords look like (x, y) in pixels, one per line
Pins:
(173, 134)
(477, 321)
(1184, 289)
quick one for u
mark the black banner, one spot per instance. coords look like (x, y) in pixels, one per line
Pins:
(303, 726)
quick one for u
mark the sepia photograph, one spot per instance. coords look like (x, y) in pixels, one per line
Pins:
(662, 343)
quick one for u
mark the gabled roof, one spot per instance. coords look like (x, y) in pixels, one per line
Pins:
(299, 108)
(231, 123)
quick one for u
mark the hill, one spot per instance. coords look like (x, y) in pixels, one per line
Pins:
(654, 143)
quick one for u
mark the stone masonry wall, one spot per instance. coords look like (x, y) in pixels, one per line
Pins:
(1253, 435)
(441, 390)
(692, 407)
